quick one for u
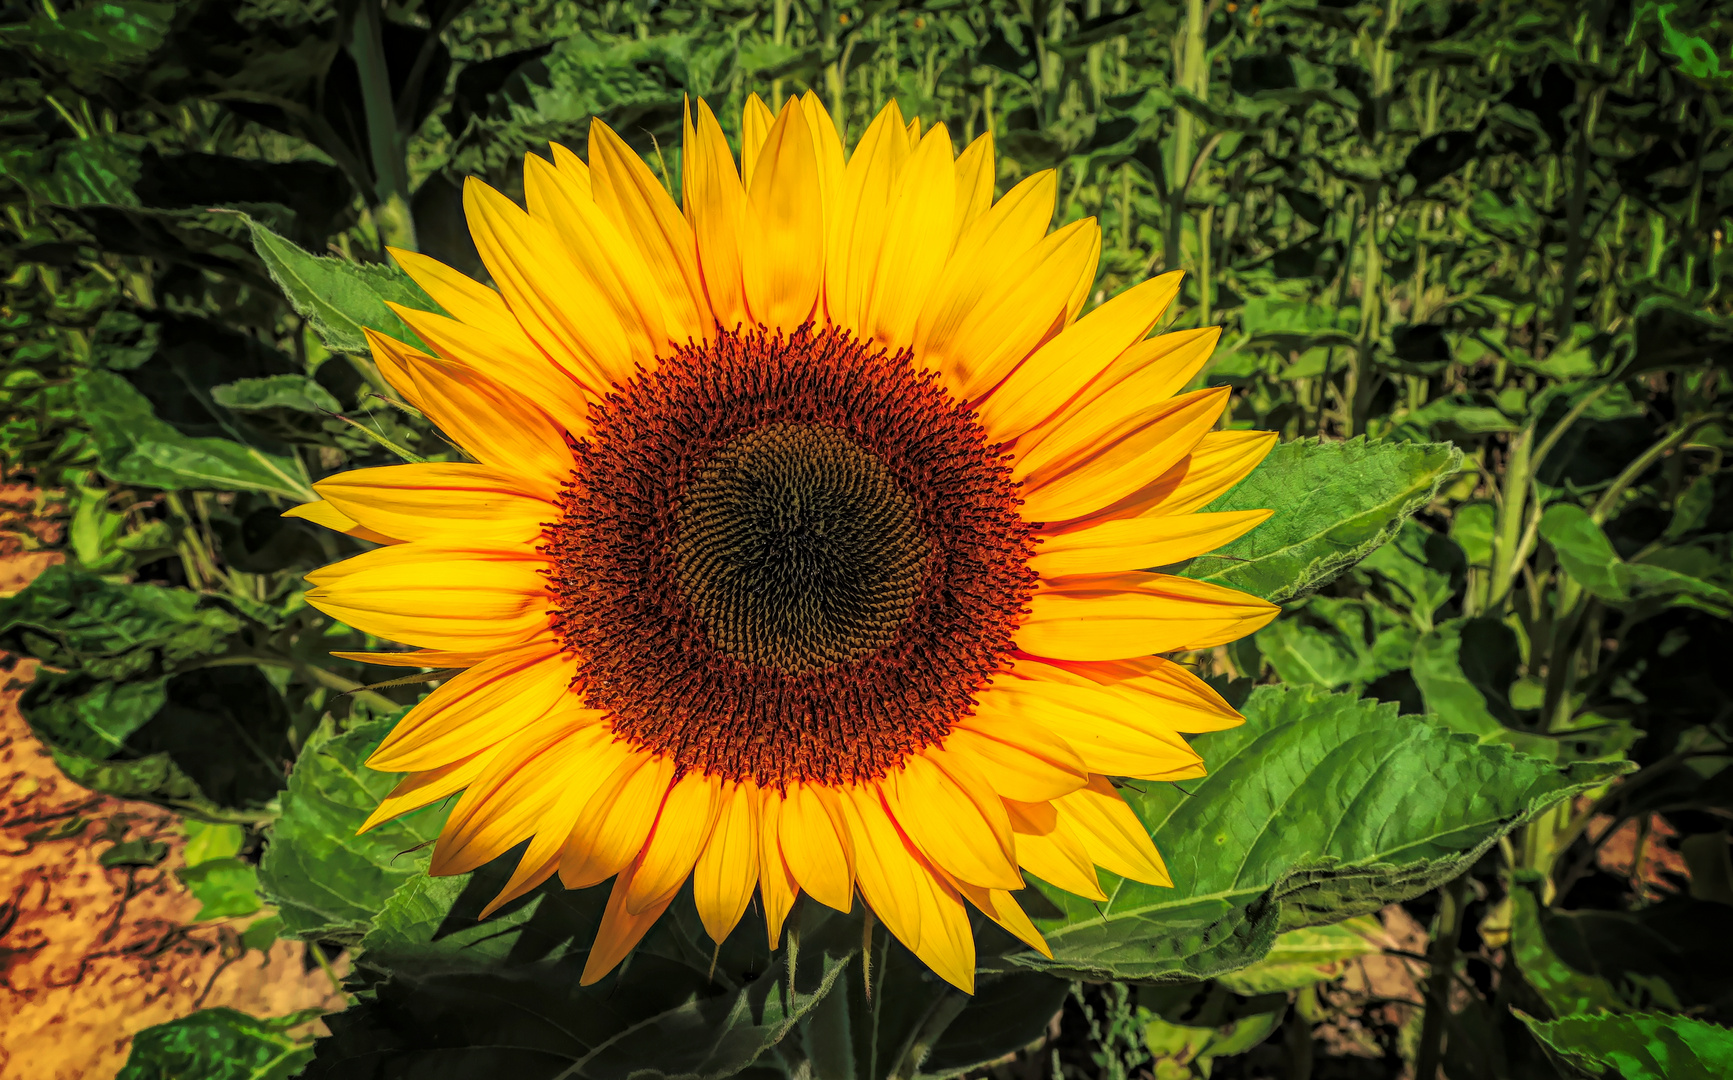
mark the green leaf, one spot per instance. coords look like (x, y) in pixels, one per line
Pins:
(224, 887)
(1307, 956)
(1320, 807)
(135, 447)
(1587, 555)
(1334, 503)
(1464, 669)
(340, 297)
(326, 881)
(1645, 1046)
(294, 392)
(220, 1044)
(1564, 989)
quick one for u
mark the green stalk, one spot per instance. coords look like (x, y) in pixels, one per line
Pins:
(1507, 537)
(1441, 955)
(386, 145)
(779, 35)
(1193, 76)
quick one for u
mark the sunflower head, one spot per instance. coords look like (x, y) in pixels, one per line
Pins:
(802, 540)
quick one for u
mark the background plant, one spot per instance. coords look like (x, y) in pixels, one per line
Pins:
(1496, 225)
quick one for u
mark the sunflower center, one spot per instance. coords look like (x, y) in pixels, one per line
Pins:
(797, 549)
(787, 558)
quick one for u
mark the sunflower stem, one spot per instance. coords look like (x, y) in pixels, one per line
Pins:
(866, 953)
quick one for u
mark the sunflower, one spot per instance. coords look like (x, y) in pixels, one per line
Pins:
(800, 546)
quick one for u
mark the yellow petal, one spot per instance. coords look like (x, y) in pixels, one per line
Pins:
(615, 268)
(627, 192)
(985, 247)
(455, 501)
(1140, 543)
(423, 658)
(715, 207)
(616, 820)
(495, 425)
(1118, 616)
(923, 911)
(532, 771)
(559, 305)
(776, 884)
(437, 597)
(1149, 371)
(1096, 726)
(528, 876)
(756, 120)
(1063, 366)
(620, 930)
(573, 170)
(782, 249)
(515, 362)
(974, 190)
(541, 858)
(827, 150)
(978, 339)
(1154, 690)
(320, 512)
(1002, 907)
(727, 869)
(424, 788)
(947, 942)
(815, 844)
(1111, 833)
(1047, 849)
(955, 818)
(858, 227)
(917, 239)
(1022, 760)
(1220, 460)
(463, 298)
(887, 861)
(489, 703)
(1064, 479)
(681, 831)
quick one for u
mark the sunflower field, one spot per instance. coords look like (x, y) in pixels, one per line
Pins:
(1443, 515)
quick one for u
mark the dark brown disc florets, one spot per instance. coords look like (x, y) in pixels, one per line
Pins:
(787, 558)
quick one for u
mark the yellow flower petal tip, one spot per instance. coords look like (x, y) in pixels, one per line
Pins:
(803, 541)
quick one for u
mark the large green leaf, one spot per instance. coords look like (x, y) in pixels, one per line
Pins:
(135, 447)
(1320, 807)
(340, 297)
(1334, 503)
(1645, 1046)
(326, 881)
(220, 1044)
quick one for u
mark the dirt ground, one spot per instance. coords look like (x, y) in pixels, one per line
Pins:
(89, 954)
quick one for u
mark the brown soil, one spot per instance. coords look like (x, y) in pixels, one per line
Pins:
(90, 955)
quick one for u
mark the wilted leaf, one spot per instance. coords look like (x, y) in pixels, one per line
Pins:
(1321, 807)
(1334, 503)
